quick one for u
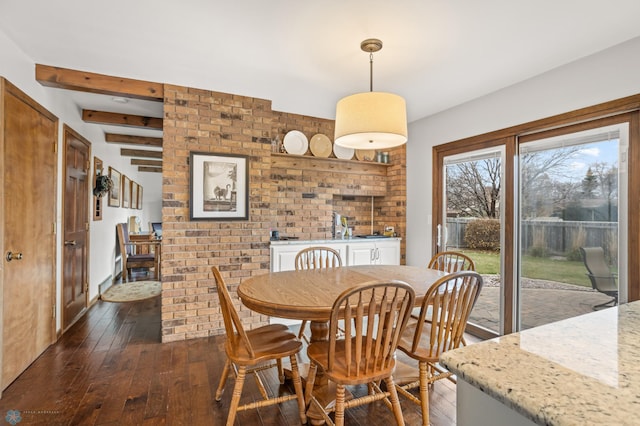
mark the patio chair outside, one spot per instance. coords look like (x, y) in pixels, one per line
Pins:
(601, 277)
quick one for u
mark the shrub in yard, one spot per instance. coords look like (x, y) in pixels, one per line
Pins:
(538, 251)
(483, 234)
(574, 255)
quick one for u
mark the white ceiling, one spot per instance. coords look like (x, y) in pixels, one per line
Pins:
(306, 55)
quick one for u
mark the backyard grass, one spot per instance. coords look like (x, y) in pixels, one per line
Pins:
(543, 268)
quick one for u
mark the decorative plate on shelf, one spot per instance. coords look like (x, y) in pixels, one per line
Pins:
(343, 152)
(295, 142)
(320, 145)
(365, 154)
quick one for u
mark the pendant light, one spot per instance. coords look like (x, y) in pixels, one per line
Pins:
(371, 120)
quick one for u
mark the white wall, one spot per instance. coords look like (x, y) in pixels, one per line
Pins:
(16, 67)
(611, 74)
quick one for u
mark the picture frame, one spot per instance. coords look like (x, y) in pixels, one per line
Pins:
(126, 192)
(115, 194)
(139, 197)
(134, 195)
(219, 186)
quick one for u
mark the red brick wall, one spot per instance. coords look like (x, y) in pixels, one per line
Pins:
(295, 201)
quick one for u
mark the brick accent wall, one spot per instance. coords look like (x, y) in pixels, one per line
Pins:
(296, 200)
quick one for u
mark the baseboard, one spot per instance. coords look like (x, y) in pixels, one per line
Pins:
(104, 285)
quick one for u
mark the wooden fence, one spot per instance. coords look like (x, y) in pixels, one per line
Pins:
(556, 237)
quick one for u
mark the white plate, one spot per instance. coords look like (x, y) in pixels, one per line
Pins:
(320, 145)
(295, 142)
(343, 152)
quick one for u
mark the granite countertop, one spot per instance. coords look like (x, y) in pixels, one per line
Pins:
(286, 241)
(584, 370)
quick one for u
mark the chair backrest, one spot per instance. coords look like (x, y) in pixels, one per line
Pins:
(317, 258)
(156, 227)
(445, 311)
(599, 272)
(123, 239)
(375, 315)
(232, 324)
(451, 261)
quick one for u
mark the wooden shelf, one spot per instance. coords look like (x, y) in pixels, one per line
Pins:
(308, 162)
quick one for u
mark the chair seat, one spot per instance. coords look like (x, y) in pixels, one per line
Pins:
(318, 353)
(143, 257)
(268, 342)
(425, 348)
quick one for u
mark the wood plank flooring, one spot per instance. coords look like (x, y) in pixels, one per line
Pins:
(111, 369)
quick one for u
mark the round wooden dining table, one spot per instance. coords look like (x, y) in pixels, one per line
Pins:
(309, 295)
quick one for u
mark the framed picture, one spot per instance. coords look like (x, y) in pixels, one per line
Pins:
(219, 186)
(126, 192)
(134, 195)
(139, 197)
(115, 193)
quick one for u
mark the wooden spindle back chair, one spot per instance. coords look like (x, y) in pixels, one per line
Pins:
(439, 327)
(451, 261)
(316, 257)
(249, 351)
(375, 315)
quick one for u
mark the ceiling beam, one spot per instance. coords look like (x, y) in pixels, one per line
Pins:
(140, 153)
(135, 140)
(83, 81)
(119, 119)
(150, 169)
(153, 163)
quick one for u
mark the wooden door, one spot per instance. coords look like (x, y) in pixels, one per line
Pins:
(28, 136)
(77, 152)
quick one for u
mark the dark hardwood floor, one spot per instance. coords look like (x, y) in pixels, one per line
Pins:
(111, 369)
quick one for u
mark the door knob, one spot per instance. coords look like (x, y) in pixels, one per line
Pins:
(11, 256)
(70, 242)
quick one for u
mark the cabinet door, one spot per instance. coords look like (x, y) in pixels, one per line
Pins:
(283, 257)
(387, 253)
(341, 248)
(361, 253)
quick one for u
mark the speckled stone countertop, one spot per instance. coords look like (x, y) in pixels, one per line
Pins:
(580, 371)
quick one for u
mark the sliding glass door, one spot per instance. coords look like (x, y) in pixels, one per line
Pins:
(572, 223)
(558, 190)
(471, 223)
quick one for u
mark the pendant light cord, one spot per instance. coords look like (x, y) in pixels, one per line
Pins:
(371, 71)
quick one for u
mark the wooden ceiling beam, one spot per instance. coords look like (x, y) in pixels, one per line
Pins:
(118, 119)
(134, 140)
(140, 153)
(83, 81)
(153, 163)
(150, 169)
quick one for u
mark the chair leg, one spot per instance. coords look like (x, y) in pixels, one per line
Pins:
(395, 402)
(311, 378)
(280, 371)
(303, 327)
(339, 413)
(223, 380)
(297, 385)
(613, 301)
(424, 392)
(237, 391)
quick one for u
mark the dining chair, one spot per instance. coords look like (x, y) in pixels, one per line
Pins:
(375, 315)
(131, 255)
(439, 327)
(451, 261)
(316, 257)
(249, 352)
